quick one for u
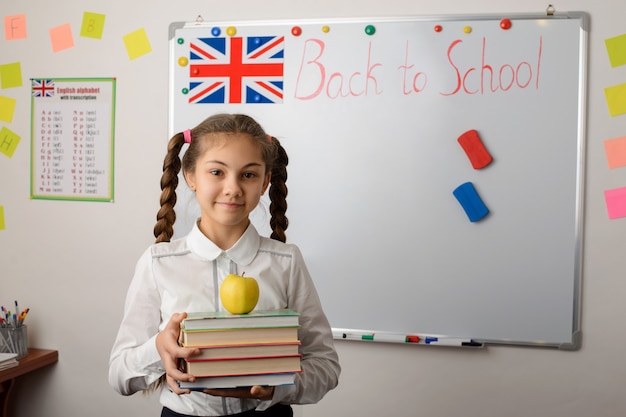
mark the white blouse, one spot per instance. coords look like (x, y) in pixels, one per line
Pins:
(185, 275)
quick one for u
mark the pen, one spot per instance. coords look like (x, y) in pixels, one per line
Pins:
(392, 338)
(472, 344)
(376, 337)
(448, 341)
(350, 336)
(13, 320)
(22, 317)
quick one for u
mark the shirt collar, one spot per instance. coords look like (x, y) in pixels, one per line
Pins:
(242, 252)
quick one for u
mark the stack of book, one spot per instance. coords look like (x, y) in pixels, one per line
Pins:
(241, 350)
(8, 360)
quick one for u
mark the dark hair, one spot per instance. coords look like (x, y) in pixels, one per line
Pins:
(273, 154)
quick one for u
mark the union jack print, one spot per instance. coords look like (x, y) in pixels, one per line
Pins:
(236, 70)
(43, 88)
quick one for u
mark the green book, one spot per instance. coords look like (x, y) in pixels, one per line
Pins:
(215, 320)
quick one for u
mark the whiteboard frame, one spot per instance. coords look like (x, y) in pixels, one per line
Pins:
(583, 17)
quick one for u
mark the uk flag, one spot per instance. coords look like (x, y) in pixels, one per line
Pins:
(43, 88)
(236, 70)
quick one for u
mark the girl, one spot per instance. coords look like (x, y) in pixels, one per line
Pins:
(229, 164)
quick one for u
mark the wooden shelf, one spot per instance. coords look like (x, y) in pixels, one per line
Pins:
(36, 358)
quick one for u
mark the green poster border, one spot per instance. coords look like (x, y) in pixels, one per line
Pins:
(110, 197)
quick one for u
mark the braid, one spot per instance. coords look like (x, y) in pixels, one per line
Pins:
(278, 194)
(164, 227)
(166, 216)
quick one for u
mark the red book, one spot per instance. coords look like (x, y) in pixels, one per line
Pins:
(242, 366)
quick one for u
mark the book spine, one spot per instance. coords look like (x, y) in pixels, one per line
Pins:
(297, 355)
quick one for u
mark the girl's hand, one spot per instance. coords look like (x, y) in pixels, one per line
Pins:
(171, 352)
(258, 392)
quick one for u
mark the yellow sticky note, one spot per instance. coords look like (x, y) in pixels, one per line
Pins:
(616, 48)
(1, 218)
(11, 75)
(616, 99)
(93, 25)
(15, 27)
(615, 150)
(61, 38)
(7, 108)
(137, 43)
(8, 141)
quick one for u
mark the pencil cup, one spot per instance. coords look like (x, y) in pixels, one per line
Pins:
(14, 340)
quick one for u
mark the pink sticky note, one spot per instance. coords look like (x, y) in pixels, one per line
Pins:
(61, 37)
(616, 202)
(15, 27)
(615, 150)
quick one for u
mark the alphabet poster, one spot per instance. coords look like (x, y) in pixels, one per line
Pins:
(72, 138)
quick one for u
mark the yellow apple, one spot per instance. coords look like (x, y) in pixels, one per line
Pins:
(239, 294)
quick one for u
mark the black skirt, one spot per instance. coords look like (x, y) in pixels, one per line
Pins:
(277, 410)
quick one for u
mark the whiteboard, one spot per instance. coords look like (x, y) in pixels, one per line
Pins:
(370, 112)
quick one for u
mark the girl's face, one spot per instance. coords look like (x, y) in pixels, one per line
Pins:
(229, 180)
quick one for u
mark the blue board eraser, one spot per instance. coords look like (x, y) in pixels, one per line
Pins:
(471, 202)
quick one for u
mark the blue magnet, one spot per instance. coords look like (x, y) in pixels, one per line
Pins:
(469, 199)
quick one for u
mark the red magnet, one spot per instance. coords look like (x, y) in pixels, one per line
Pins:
(296, 31)
(475, 149)
(438, 28)
(505, 24)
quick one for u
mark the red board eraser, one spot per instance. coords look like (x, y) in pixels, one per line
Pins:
(475, 149)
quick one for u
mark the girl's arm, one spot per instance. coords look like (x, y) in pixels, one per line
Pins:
(320, 362)
(135, 363)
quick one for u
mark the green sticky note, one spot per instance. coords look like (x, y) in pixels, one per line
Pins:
(11, 75)
(93, 25)
(616, 48)
(1, 218)
(8, 141)
(137, 43)
(616, 99)
(7, 108)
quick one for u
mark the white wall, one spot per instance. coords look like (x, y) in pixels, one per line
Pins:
(71, 262)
